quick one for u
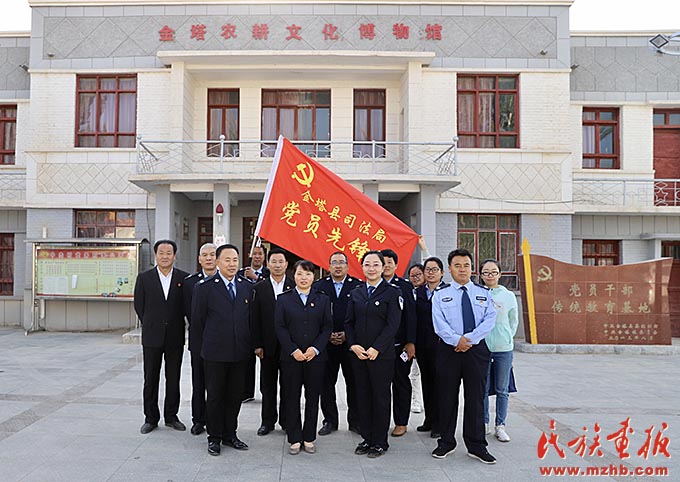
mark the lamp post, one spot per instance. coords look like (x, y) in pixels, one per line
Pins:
(666, 44)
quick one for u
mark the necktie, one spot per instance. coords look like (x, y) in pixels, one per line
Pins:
(371, 289)
(230, 291)
(468, 314)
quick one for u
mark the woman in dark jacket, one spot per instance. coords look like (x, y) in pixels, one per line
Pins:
(303, 326)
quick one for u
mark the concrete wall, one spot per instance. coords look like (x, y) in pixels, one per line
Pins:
(14, 80)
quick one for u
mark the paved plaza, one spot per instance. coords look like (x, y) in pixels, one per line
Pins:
(71, 408)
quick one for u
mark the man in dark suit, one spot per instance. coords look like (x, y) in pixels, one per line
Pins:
(208, 260)
(159, 304)
(404, 346)
(267, 348)
(337, 287)
(221, 311)
(254, 273)
(373, 318)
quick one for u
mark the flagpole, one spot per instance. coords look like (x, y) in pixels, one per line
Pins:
(267, 191)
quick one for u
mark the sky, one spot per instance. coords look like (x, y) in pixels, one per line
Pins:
(656, 15)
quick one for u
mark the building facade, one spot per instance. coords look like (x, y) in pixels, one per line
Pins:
(149, 119)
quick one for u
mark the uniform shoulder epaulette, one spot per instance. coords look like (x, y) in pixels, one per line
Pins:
(481, 286)
(289, 290)
(442, 286)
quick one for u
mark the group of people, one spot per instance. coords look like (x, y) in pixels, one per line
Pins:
(304, 332)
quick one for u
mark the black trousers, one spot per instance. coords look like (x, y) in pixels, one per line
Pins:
(296, 375)
(224, 381)
(197, 388)
(153, 358)
(269, 376)
(373, 380)
(249, 386)
(427, 362)
(401, 388)
(339, 357)
(470, 367)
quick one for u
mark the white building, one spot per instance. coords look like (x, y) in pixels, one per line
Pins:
(571, 140)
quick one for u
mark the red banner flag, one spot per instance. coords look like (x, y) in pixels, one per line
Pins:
(312, 212)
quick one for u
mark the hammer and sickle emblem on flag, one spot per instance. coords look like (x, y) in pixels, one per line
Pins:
(305, 179)
(544, 273)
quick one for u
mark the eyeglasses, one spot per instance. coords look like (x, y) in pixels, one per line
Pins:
(490, 274)
(432, 270)
(338, 263)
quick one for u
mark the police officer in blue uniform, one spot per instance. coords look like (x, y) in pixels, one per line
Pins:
(404, 346)
(462, 314)
(221, 311)
(337, 286)
(207, 259)
(373, 318)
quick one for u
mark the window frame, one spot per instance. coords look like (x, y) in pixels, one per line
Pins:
(597, 255)
(7, 278)
(318, 149)
(380, 147)
(5, 120)
(666, 123)
(509, 278)
(97, 133)
(97, 225)
(497, 91)
(598, 123)
(231, 147)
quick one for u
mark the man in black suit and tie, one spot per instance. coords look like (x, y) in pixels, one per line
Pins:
(266, 344)
(159, 304)
(221, 311)
(254, 273)
(404, 346)
(337, 287)
(207, 258)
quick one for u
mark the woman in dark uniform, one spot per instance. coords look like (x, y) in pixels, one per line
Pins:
(303, 325)
(373, 318)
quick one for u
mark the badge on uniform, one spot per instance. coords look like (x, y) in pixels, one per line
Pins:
(481, 300)
(377, 303)
(401, 303)
(447, 299)
(311, 304)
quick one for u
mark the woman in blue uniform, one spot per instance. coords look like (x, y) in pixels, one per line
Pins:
(373, 318)
(303, 325)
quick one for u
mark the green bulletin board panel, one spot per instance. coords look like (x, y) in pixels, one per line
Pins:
(85, 272)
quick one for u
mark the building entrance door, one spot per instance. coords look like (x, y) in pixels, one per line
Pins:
(667, 157)
(671, 249)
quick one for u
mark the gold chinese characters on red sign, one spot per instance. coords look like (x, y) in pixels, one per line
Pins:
(619, 305)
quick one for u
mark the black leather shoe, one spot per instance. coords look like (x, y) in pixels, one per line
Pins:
(423, 428)
(375, 452)
(264, 430)
(148, 427)
(214, 448)
(327, 429)
(236, 443)
(483, 456)
(176, 424)
(197, 429)
(362, 448)
(354, 428)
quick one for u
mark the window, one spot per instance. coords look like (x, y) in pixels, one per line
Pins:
(8, 133)
(600, 138)
(106, 111)
(369, 122)
(299, 115)
(492, 236)
(105, 224)
(600, 253)
(6, 264)
(488, 108)
(223, 105)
